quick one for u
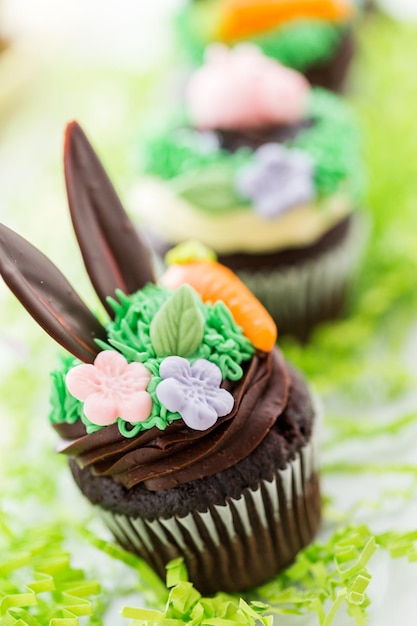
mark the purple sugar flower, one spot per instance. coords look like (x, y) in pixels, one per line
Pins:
(193, 391)
(278, 180)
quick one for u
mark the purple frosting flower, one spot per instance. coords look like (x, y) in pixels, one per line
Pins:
(193, 391)
(278, 180)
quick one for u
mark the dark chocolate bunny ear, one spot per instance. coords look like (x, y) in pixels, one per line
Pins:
(114, 255)
(48, 296)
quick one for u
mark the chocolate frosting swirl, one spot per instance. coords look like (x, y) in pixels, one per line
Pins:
(164, 459)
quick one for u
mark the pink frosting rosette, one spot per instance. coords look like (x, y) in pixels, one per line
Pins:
(242, 88)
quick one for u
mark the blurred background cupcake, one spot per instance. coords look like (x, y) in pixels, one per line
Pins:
(266, 171)
(313, 37)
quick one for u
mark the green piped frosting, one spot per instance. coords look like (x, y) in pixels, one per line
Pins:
(177, 155)
(65, 408)
(300, 44)
(333, 143)
(206, 177)
(223, 343)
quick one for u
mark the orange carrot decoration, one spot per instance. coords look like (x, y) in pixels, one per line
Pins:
(213, 282)
(243, 18)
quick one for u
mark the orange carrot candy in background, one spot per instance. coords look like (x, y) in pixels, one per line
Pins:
(195, 265)
(243, 18)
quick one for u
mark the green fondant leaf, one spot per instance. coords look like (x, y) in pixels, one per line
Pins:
(178, 327)
(212, 190)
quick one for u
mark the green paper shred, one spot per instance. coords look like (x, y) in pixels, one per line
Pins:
(186, 606)
(149, 584)
(324, 579)
(38, 586)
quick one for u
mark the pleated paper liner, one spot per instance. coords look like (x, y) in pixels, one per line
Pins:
(301, 296)
(240, 544)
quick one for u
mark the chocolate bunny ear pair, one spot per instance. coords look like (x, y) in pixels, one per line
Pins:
(113, 253)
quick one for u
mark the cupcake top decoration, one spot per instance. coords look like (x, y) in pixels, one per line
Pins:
(167, 350)
(242, 88)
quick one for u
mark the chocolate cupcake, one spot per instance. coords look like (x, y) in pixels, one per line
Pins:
(266, 171)
(182, 422)
(315, 38)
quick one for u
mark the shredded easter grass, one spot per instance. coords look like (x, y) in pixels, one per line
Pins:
(38, 583)
(357, 362)
(324, 578)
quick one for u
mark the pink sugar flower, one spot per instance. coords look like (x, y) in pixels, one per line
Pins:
(242, 88)
(111, 388)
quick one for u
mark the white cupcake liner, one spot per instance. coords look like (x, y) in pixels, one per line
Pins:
(302, 295)
(241, 543)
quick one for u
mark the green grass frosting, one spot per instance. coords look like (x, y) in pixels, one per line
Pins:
(222, 343)
(204, 175)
